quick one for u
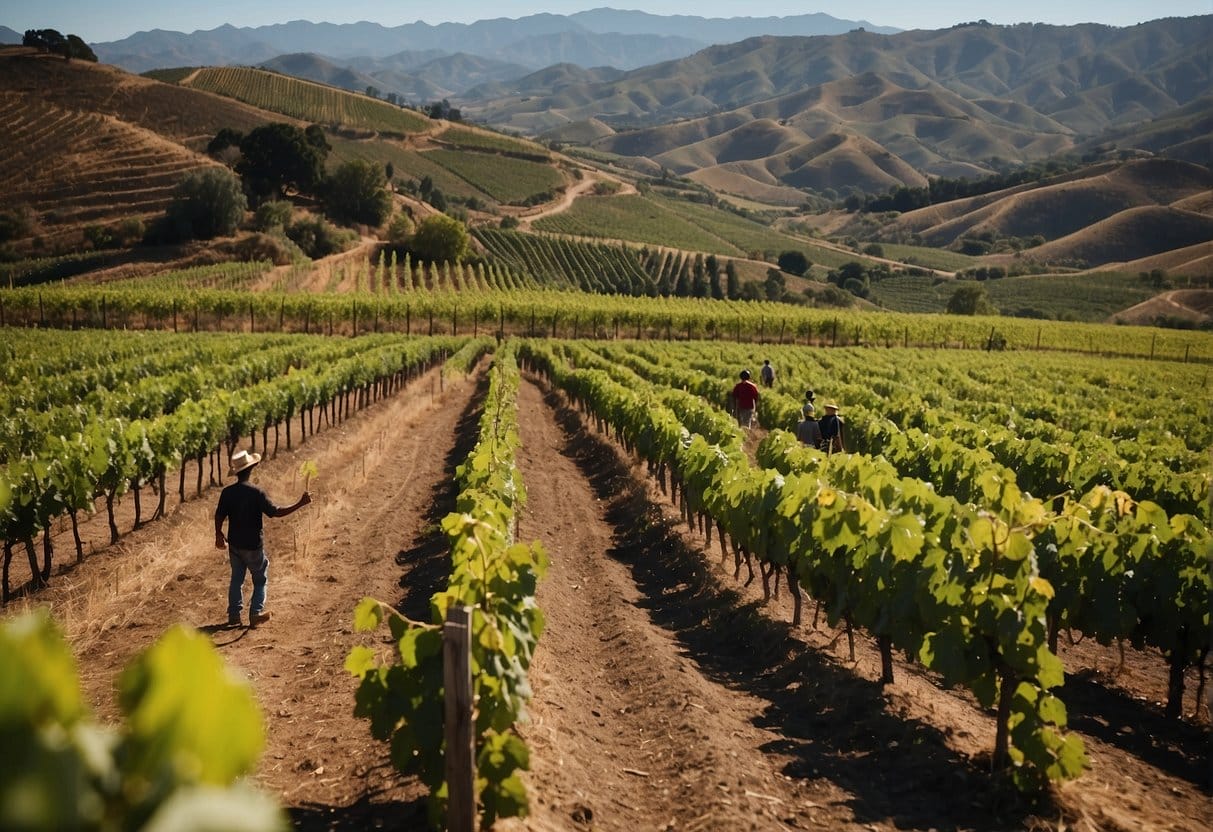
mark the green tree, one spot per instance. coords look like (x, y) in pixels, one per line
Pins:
(401, 229)
(51, 40)
(78, 49)
(682, 286)
(699, 279)
(276, 214)
(970, 299)
(317, 237)
(208, 203)
(794, 262)
(732, 281)
(851, 270)
(355, 193)
(278, 157)
(225, 138)
(440, 239)
(775, 285)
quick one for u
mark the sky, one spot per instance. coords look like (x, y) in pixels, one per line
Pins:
(98, 22)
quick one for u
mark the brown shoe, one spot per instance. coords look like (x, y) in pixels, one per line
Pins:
(258, 618)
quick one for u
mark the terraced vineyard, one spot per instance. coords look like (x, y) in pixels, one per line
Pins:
(484, 140)
(505, 179)
(307, 101)
(1087, 297)
(408, 164)
(92, 180)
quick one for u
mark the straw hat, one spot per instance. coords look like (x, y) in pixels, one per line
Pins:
(242, 461)
(832, 406)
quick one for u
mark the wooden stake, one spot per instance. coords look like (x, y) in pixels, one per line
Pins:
(460, 739)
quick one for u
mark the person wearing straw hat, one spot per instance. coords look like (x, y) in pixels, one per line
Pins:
(832, 426)
(243, 505)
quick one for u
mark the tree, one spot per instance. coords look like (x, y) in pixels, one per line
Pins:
(682, 286)
(47, 40)
(970, 300)
(699, 279)
(78, 49)
(355, 193)
(732, 281)
(794, 262)
(440, 239)
(319, 238)
(851, 270)
(775, 284)
(400, 229)
(225, 138)
(208, 203)
(50, 40)
(279, 156)
(271, 215)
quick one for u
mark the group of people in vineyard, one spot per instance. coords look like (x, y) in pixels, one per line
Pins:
(827, 434)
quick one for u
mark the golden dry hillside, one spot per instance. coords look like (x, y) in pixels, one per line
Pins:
(1072, 204)
(1129, 235)
(87, 144)
(863, 132)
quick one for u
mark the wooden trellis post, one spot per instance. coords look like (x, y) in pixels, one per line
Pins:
(458, 723)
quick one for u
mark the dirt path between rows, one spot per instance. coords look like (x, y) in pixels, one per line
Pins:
(671, 696)
(628, 732)
(384, 481)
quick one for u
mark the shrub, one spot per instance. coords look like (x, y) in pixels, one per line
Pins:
(16, 223)
(400, 229)
(440, 239)
(318, 237)
(970, 300)
(208, 203)
(355, 193)
(508, 222)
(276, 214)
(275, 247)
(100, 237)
(130, 231)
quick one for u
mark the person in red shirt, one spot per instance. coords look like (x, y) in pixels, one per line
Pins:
(745, 399)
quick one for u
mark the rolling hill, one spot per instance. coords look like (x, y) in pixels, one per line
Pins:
(864, 132)
(1084, 77)
(1132, 234)
(959, 102)
(1063, 205)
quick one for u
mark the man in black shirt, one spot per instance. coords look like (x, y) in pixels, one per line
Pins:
(243, 505)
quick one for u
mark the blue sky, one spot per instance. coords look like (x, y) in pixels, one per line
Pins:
(103, 21)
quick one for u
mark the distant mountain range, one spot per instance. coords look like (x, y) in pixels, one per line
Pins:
(769, 116)
(601, 37)
(7, 35)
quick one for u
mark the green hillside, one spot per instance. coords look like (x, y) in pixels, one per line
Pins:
(307, 101)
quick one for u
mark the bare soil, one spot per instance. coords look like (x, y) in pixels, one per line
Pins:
(668, 695)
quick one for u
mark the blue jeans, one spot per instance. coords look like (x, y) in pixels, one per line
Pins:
(255, 562)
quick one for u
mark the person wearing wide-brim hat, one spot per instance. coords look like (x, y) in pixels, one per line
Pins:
(243, 505)
(832, 430)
